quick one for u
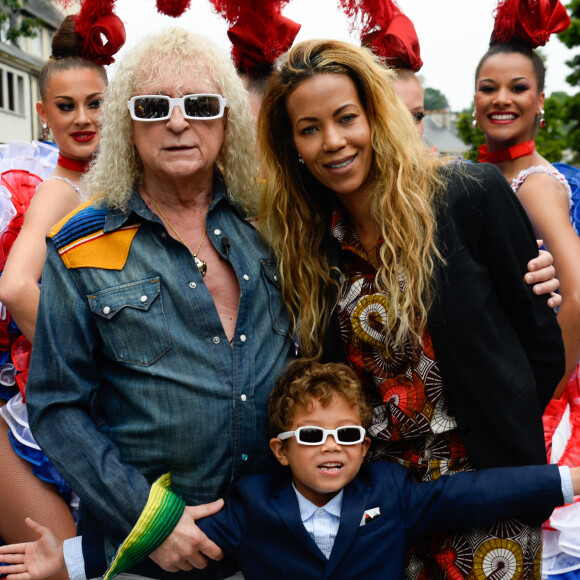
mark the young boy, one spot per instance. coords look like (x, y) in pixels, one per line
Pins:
(329, 516)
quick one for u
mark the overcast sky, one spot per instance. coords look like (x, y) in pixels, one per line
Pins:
(453, 35)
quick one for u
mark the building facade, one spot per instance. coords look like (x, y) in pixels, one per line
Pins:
(20, 64)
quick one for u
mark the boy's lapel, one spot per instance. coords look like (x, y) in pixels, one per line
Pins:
(286, 505)
(354, 503)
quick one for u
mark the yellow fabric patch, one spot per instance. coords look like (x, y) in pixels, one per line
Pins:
(99, 250)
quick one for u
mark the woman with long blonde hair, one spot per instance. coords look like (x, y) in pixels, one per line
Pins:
(404, 265)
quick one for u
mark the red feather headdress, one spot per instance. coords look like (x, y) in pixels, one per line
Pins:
(258, 31)
(386, 31)
(532, 21)
(101, 31)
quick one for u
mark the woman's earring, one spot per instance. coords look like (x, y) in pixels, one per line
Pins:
(44, 131)
(542, 120)
(474, 122)
(300, 160)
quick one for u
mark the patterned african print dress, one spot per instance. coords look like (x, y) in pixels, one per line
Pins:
(412, 425)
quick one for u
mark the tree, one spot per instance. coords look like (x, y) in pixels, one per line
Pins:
(571, 108)
(470, 135)
(11, 13)
(435, 100)
(552, 139)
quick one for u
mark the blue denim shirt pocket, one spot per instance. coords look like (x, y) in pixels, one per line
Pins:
(278, 310)
(132, 321)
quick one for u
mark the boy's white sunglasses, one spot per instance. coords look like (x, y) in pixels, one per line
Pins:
(160, 107)
(345, 435)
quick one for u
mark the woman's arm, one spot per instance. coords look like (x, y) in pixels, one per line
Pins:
(546, 203)
(19, 289)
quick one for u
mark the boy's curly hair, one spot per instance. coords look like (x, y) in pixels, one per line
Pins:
(306, 379)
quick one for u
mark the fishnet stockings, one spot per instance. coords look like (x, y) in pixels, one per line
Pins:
(22, 495)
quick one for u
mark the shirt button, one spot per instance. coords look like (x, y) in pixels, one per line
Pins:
(243, 397)
(143, 298)
(217, 232)
(275, 278)
(192, 285)
(163, 235)
(106, 310)
(243, 338)
(244, 457)
(319, 513)
(216, 339)
(246, 277)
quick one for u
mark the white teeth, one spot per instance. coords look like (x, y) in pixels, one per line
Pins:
(503, 117)
(341, 165)
(331, 466)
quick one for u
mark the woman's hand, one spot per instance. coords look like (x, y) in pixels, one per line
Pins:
(33, 560)
(541, 274)
(187, 547)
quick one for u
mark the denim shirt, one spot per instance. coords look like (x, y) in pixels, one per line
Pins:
(132, 374)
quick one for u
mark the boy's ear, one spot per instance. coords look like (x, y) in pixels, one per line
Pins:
(279, 450)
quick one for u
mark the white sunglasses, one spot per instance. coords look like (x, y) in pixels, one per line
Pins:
(160, 107)
(346, 435)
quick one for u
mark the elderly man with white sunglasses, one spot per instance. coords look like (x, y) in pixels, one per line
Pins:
(161, 328)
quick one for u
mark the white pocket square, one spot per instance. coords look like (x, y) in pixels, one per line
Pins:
(370, 515)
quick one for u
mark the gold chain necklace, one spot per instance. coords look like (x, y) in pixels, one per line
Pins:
(198, 262)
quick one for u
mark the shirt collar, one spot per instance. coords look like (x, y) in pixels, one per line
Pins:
(137, 210)
(307, 508)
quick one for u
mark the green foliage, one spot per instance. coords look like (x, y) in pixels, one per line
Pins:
(470, 135)
(571, 115)
(571, 107)
(571, 37)
(435, 100)
(551, 140)
(18, 24)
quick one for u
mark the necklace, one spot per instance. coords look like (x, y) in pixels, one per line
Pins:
(513, 152)
(73, 164)
(198, 262)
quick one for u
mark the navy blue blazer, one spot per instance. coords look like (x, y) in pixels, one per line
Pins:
(261, 525)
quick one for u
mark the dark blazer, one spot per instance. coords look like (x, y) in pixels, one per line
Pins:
(261, 525)
(498, 346)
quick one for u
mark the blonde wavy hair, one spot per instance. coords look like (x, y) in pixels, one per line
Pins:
(118, 166)
(295, 210)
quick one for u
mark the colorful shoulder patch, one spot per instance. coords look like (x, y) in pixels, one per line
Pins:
(82, 243)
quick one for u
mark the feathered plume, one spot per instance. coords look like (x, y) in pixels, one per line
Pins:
(385, 30)
(532, 21)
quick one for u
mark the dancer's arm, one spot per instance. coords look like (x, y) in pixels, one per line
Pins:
(19, 290)
(546, 202)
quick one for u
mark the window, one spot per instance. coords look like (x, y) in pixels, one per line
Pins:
(12, 95)
(4, 26)
(36, 44)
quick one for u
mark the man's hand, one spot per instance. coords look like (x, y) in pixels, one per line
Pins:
(187, 546)
(33, 560)
(541, 274)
